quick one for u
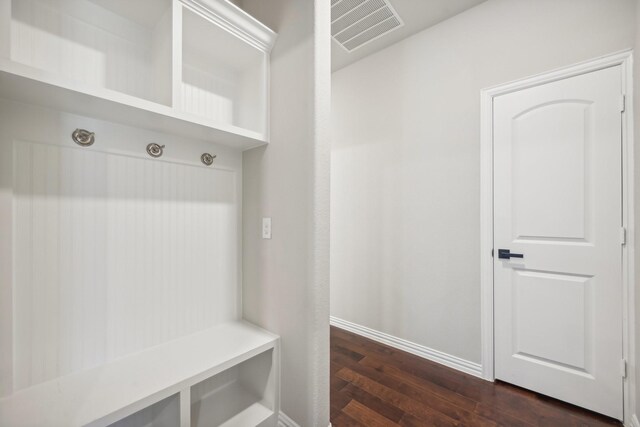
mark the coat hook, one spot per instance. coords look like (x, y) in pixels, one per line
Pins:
(207, 158)
(155, 150)
(83, 137)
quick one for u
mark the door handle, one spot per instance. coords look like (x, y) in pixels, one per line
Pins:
(506, 254)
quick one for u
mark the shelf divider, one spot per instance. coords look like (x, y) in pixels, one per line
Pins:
(185, 407)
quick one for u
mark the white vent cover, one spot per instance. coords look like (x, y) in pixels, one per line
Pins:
(355, 23)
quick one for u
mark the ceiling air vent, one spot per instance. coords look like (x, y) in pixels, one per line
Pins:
(355, 23)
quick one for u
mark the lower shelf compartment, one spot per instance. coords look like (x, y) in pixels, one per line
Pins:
(165, 413)
(238, 397)
(230, 406)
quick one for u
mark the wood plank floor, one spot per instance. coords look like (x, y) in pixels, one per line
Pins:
(375, 385)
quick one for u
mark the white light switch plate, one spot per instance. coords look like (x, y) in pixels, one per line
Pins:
(266, 228)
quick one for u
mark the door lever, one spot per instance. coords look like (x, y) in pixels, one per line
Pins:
(506, 254)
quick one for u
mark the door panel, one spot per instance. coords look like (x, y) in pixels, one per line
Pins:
(561, 336)
(557, 201)
(551, 139)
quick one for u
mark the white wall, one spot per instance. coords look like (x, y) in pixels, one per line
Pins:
(286, 279)
(405, 190)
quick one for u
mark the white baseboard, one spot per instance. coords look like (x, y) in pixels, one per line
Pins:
(445, 359)
(634, 421)
(285, 421)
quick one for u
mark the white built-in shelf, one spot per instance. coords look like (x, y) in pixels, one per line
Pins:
(32, 86)
(254, 415)
(193, 68)
(229, 405)
(232, 366)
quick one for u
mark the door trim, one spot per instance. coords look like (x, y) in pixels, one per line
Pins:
(625, 60)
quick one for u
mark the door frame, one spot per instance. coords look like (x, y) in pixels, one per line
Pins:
(625, 60)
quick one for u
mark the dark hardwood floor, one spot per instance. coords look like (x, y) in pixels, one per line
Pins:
(375, 385)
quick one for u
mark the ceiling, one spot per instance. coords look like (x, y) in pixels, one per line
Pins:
(417, 16)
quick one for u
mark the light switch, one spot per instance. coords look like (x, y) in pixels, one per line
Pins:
(266, 228)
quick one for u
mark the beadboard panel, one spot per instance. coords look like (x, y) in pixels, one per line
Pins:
(114, 254)
(92, 45)
(207, 95)
(229, 96)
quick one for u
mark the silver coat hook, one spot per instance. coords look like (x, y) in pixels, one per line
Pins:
(83, 137)
(207, 158)
(155, 150)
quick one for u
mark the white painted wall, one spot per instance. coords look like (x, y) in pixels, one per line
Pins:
(286, 279)
(405, 160)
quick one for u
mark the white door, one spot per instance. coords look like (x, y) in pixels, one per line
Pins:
(558, 205)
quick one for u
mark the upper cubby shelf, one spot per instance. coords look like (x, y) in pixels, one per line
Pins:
(193, 68)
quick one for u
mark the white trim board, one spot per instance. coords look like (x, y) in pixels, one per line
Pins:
(634, 421)
(625, 60)
(445, 359)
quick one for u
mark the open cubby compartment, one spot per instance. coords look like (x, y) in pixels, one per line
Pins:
(165, 413)
(121, 45)
(224, 77)
(241, 396)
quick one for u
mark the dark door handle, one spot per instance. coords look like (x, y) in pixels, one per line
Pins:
(506, 254)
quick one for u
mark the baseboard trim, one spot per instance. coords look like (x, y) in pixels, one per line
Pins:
(634, 421)
(445, 359)
(285, 421)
